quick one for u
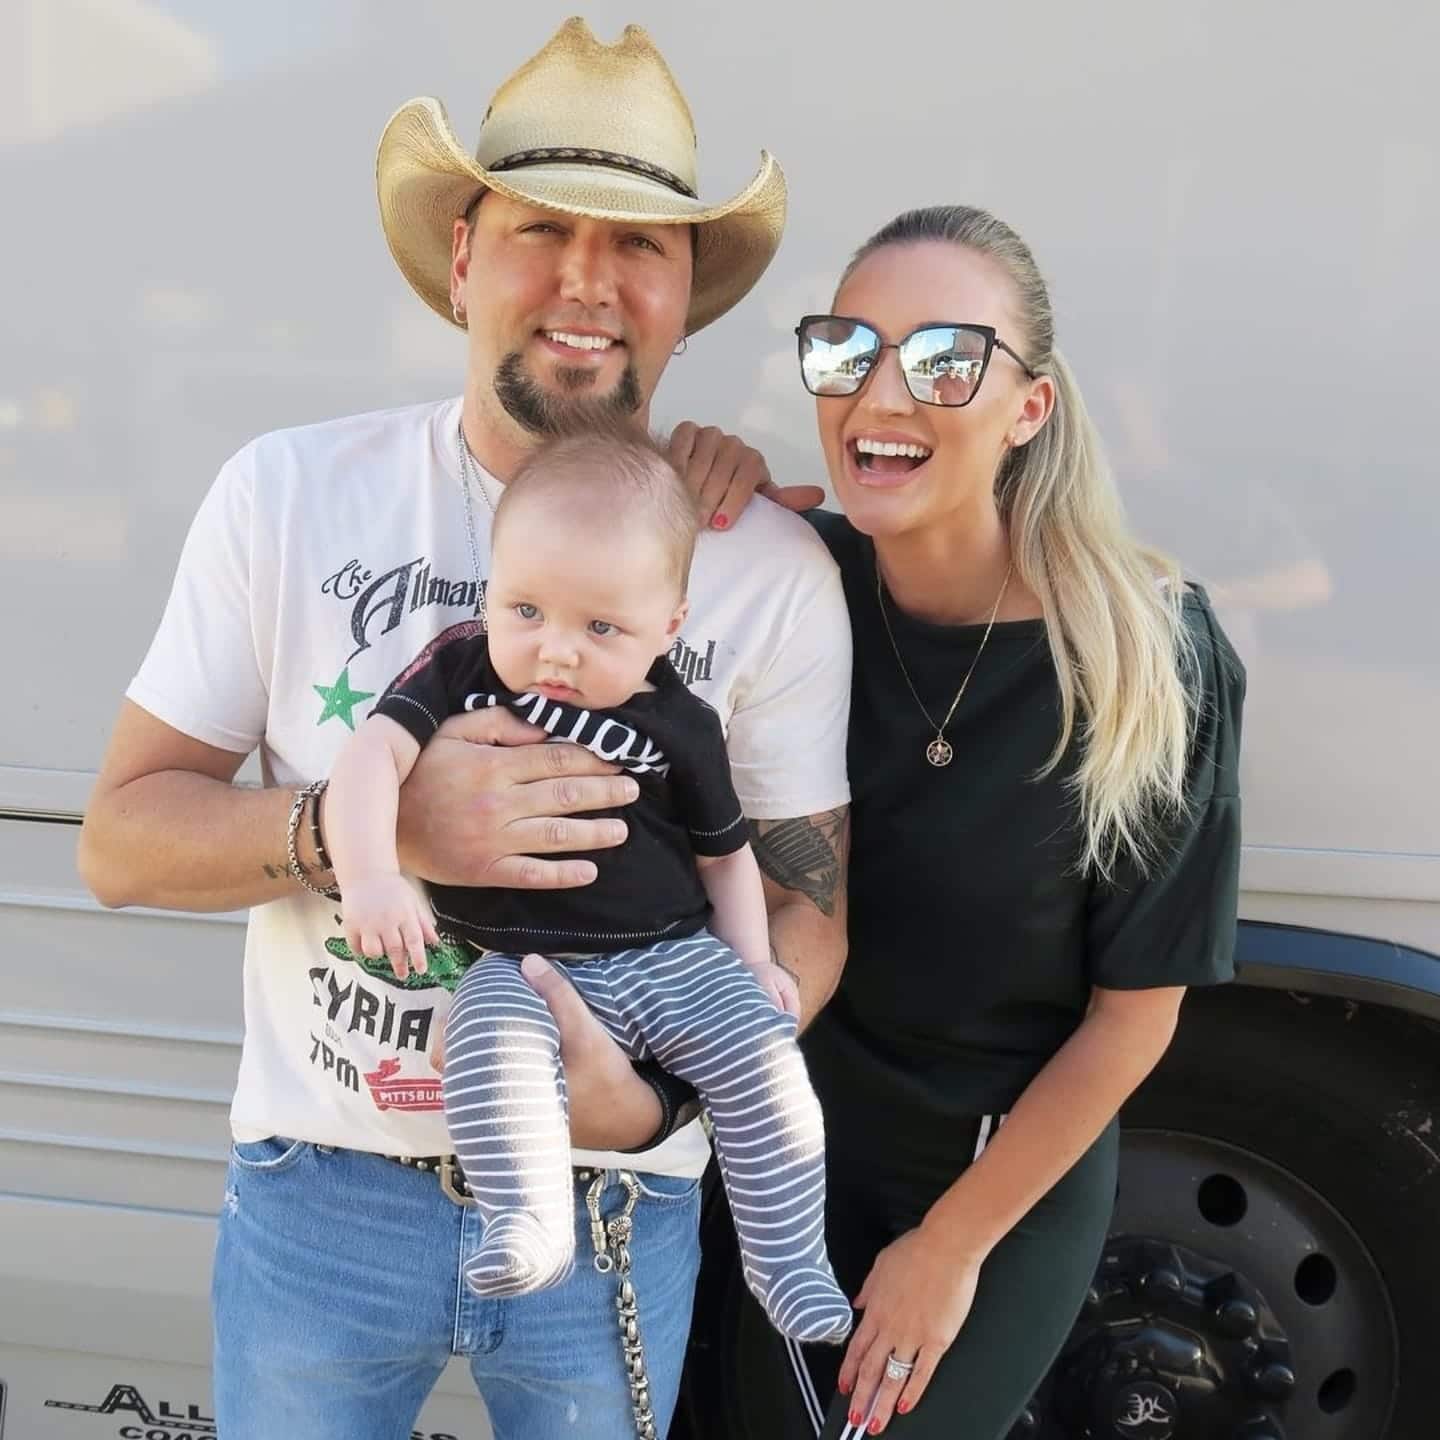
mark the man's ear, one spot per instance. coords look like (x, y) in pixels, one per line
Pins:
(459, 260)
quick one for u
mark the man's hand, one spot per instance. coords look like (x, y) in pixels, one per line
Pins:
(486, 798)
(723, 472)
(611, 1108)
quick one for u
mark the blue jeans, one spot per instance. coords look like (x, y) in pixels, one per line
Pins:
(338, 1299)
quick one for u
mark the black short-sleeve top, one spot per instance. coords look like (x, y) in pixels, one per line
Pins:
(975, 938)
(669, 740)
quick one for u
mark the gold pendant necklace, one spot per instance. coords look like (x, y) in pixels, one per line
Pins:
(939, 752)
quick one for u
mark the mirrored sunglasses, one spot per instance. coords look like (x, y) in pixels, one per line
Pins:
(943, 364)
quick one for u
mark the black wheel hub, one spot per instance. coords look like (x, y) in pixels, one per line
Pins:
(1173, 1340)
(1258, 1316)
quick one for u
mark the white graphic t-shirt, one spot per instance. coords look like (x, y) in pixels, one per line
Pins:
(323, 560)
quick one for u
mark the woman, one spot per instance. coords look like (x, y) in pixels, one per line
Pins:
(1046, 830)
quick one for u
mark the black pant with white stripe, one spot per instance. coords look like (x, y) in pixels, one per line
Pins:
(1030, 1291)
(694, 1006)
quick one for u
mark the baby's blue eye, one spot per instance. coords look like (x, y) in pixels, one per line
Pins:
(601, 627)
(526, 611)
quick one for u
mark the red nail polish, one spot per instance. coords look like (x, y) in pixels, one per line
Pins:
(855, 1417)
(903, 1407)
(875, 1427)
(721, 522)
(843, 1387)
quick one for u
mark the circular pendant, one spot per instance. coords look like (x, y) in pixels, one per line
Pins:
(938, 751)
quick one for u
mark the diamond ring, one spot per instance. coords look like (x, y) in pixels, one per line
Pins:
(897, 1369)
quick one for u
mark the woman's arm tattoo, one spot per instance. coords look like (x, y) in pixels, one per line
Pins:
(806, 854)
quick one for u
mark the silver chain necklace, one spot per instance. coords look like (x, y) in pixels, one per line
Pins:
(467, 478)
(939, 751)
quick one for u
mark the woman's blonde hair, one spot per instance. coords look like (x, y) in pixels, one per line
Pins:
(1112, 606)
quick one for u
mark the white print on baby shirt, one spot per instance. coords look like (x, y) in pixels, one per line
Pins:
(610, 739)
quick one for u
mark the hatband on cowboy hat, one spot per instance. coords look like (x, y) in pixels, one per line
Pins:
(586, 129)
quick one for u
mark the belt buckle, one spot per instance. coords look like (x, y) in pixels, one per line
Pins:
(448, 1173)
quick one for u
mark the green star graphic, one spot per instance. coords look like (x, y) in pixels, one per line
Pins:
(340, 699)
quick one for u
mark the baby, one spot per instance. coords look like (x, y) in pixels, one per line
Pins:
(591, 550)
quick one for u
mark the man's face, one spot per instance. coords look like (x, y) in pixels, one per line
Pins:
(565, 311)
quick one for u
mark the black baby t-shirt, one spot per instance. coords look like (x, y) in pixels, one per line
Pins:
(669, 740)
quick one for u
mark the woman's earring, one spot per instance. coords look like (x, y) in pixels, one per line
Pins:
(458, 310)
(683, 346)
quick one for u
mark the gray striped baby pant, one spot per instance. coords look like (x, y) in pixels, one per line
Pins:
(694, 1006)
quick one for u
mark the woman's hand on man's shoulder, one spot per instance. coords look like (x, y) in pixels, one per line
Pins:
(725, 474)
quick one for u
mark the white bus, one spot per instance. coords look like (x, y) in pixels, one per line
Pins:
(1244, 270)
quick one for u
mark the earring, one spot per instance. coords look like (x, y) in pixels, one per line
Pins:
(683, 346)
(458, 311)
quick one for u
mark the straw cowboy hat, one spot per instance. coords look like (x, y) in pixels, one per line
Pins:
(584, 128)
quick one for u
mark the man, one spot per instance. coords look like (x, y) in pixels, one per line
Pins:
(574, 252)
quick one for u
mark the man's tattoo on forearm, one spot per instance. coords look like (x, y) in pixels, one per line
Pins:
(779, 964)
(806, 854)
(279, 872)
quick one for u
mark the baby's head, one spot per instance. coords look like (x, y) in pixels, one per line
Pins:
(590, 557)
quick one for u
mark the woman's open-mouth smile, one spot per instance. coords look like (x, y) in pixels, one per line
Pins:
(881, 461)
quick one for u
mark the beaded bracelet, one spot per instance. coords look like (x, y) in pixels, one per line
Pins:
(321, 853)
(312, 792)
